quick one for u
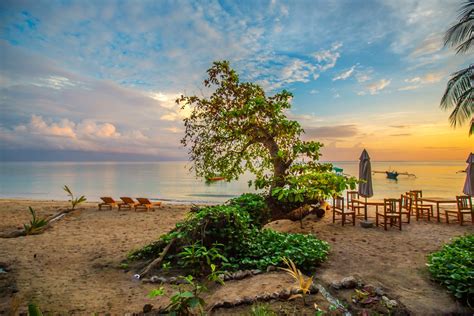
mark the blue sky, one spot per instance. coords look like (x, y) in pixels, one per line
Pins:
(101, 76)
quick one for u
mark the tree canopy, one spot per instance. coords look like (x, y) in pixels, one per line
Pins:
(239, 128)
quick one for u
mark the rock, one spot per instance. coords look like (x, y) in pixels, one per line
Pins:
(146, 280)
(349, 282)
(294, 291)
(313, 289)
(285, 294)
(181, 281)
(379, 291)
(265, 296)
(256, 271)
(275, 295)
(366, 224)
(172, 280)
(227, 277)
(227, 304)
(239, 275)
(247, 300)
(335, 285)
(147, 308)
(271, 268)
(154, 279)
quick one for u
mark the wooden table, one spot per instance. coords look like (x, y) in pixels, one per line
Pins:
(366, 203)
(438, 201)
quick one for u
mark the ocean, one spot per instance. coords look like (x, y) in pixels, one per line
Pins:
(172, 181)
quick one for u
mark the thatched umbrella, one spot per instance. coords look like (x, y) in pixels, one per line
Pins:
(365, 174)
(469, 184)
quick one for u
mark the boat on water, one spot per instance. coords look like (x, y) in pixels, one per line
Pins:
(215, 179)
(393, 175)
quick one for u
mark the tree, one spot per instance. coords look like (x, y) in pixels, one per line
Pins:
(238, 128)
(459, 92)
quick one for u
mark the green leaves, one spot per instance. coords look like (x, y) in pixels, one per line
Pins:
(453, 266)
(74, 201)
(36, 225)
(156, 292)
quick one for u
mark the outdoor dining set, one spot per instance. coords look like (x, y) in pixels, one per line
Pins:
(396, 211)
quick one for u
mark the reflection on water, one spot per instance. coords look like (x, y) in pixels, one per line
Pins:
(173, 181)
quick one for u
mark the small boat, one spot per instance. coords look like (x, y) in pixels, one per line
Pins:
(393, 175)
(215, 179)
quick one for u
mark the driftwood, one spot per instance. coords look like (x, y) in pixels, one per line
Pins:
(155, 263)
(49, 220)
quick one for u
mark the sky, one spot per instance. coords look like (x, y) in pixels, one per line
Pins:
(97, 80)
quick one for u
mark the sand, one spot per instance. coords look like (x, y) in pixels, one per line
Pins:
(74, 267)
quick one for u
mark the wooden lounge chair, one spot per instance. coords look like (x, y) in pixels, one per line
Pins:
(351, 205)
(108, 202)
(127, 202)
(391, 213)
(338, 208)
(145, 204)
(406, 206)
(418, 207)
(464, 207)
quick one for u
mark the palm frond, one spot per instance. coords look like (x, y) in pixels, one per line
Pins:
(471, 131)
(460, 34)
(460, 82)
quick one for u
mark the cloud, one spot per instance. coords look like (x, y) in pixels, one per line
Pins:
(430, 45)
(344, 75)
(418, 82)
(327, 58)
(375, 87)
(337, 131)
(402, 134)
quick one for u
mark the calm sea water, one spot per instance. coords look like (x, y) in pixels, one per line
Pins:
(173, 181)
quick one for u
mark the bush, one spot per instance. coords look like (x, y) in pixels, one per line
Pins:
(230, 237)
(268, 247)
(453, 267)
(255, 205)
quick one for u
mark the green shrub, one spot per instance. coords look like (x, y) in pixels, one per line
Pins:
(230, 237)
(267, 247)
(453, 266)
(255, 205)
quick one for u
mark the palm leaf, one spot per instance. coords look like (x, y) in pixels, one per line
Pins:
(460, 34)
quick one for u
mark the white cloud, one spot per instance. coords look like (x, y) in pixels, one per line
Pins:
(377, 86)
(345, 74)
(327, 58)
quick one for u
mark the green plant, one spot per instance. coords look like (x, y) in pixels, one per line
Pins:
(187, 302)
(261, 310)
(74, 201)
(303, 284)
(166, 266)
(35, 225)
(215, 275)
(199, 256)
(255, 205)
(453, 266)
(34, 310)
(156, 292)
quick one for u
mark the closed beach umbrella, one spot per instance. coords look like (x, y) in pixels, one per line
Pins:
(365, 174)
(469, 184)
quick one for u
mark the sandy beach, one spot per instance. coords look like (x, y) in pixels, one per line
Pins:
(74, 267)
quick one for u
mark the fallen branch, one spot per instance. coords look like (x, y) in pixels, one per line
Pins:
(158, 260)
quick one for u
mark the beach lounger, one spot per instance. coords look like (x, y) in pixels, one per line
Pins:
(145, 204)
(127, 202)
(108, 202)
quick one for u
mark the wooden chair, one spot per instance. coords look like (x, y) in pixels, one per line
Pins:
(338, 208)
(406, 206)
(391, 212)
(464, 207)
(127, 202)
(107, 202)
(418, 207)
(351, 205)
(145, 204)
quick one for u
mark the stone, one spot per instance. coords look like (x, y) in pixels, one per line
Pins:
(313, 289)
(256, 271)
(349, 282)
(366, 224)
(271, 268)
(154, 279)
(335, 285)
(147, 308)
(379, 291)
(247, 300)
(239, 275)
(227, 304)
(284, 294)
(172, 280)
(275, 295)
